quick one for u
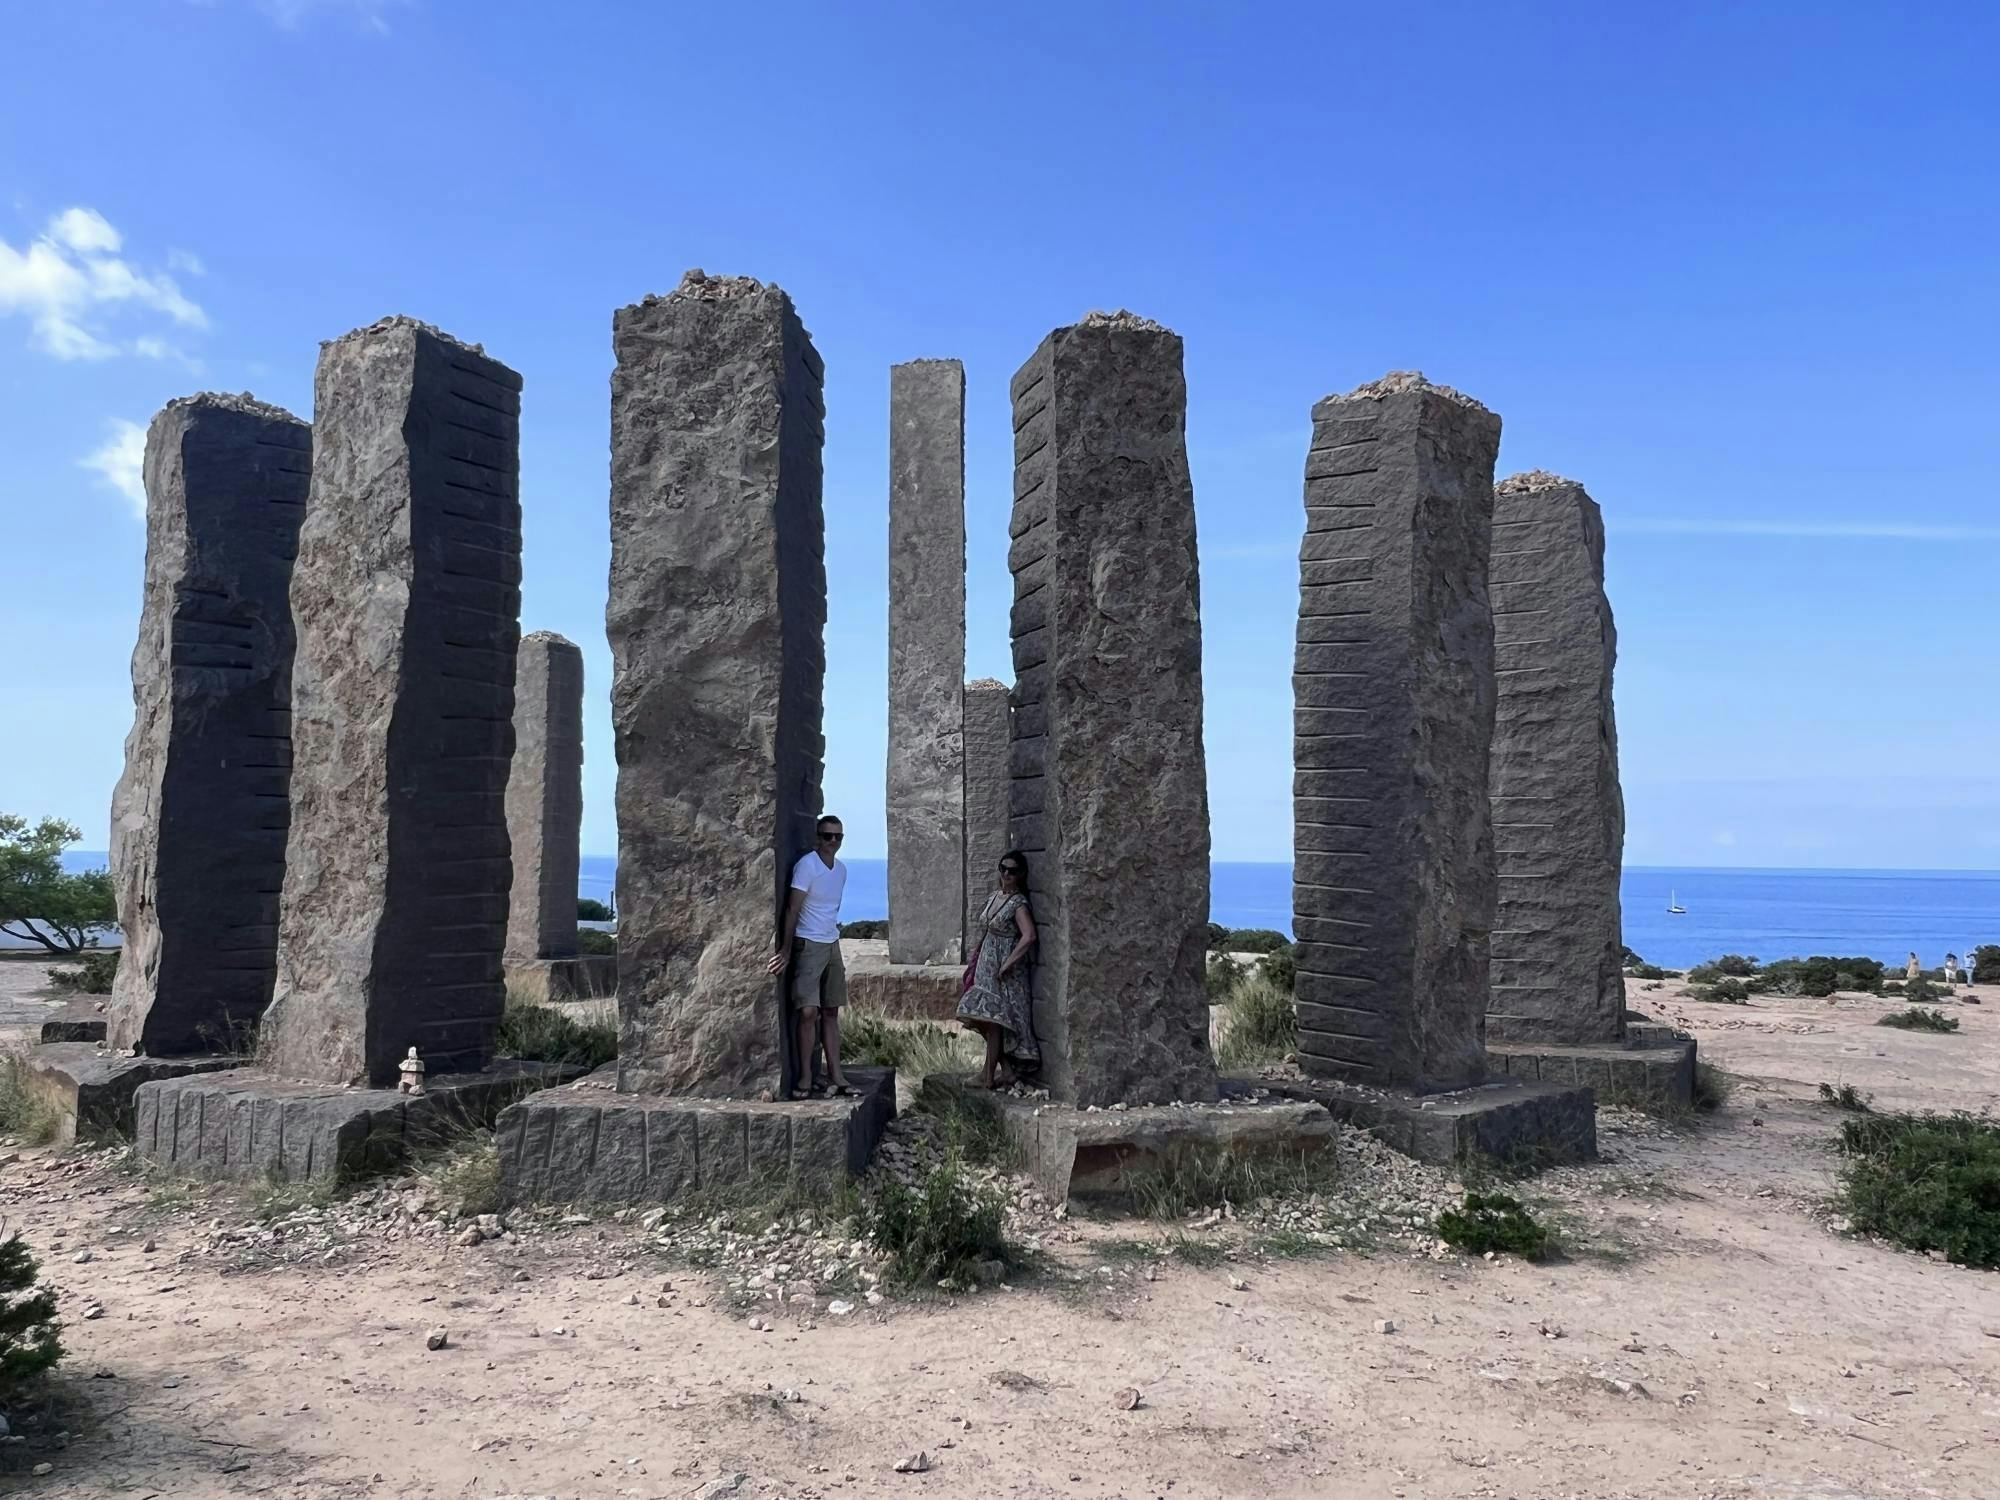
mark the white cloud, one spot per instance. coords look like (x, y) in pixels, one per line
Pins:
(186, 262)
(68, 279)
(1821, 530)
(121, 463)
(373, 15)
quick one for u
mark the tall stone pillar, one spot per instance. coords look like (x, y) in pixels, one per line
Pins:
(198, 820)
(407, 600)
(926, 792)
(988, 730)
(1393, 890)
(1558, 814)
(716, 619)
(545, 798)
(1109, 794)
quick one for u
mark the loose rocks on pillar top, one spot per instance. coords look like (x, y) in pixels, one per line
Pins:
(1396, 382)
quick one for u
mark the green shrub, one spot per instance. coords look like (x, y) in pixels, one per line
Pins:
(1647, 971)
(1985, 961)
(1927, 1182)
(1628, 959)
(870, 928)
(1914, 1019)
(1712, 1087)
(1257, 940)
(1892, 986)
(1262, 1025)
(1218, 937)
(1495, 1222)
(1721, 992)
(30, 1336)
(1846, 1097)
(1921, 990)
(1280, 967)
(1818, 977)
(592, 943)
(91, 977)
(915, 1049)
(541, 1033)
(1224, 974)
(590, 910)
(1729, 966)
(946, 1228)
(1189, 1178)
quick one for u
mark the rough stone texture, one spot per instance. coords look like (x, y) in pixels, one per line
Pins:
(1558, 815)
(899, 991)
(588, 1144)
(198, 819)
(246, 1126)
(926, 791)
(545, 798)
(1392, 868)
(407, 599)
(588, 976)
(92, 1089)
(1109, 793)
(1094, 1156)
(1506, 1120)
(78, 1021)
(989, 732)
(716, 613)
(1659, 1074)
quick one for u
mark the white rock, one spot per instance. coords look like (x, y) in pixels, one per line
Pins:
(841, 1309)
(437, 1338)
(1385, 1325)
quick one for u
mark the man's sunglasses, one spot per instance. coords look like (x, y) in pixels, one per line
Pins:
(831, 838)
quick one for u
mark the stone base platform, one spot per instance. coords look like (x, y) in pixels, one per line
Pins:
(1506, 1120)
(1653, 1072)
(93, 1091)
(78, 1021)
(1095, 1155)
(589, 976)
(903, 992)
(245, 1125)
(588, 1143)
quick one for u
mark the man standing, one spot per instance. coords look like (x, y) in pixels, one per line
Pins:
(810, 945)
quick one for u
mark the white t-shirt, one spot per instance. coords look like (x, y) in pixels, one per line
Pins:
(824, 884)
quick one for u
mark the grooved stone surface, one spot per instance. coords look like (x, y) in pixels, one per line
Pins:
(989, 727)
(716, 616)
(545, 798)
(1109, 792)
(926, 790)
(407, 598)
(1506, 1120)
(199, 816)
(1392, 870)
(1558, 814)
(1660, 1073)
(92, 1090)
(588, 1144)
(245, 1125)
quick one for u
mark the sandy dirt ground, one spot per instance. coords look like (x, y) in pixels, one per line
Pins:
(1720, 1337)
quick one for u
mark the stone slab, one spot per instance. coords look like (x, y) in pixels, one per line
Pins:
(93, 1090)
(589, 976)
(903, 992)
(78, 1021)
(1095, 1156)
(246, 1125)
(1558, 814)
(716, 615)
(926, 772)
(199, 816)
(407, 598)
(1392, 687)
(545, 798)
(589, 1143)
(1656, 1076)
(989, 727)
(1506, 1120)
(1109, 788)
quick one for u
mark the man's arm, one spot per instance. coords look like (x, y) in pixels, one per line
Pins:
(781, 960)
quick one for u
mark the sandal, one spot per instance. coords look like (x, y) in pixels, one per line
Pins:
(845, 1090)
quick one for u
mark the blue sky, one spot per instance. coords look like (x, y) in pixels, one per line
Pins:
(1731, 266)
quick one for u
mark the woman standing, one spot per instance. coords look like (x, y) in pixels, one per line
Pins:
(997, 1002)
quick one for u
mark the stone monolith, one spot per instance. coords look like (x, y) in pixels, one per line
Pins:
(545, 798)
(988, 730)
(1393, 891)
(407, 601)
(926, 788)
(199, 817)
(716, 617)
(1109, 795)
(1558, 815)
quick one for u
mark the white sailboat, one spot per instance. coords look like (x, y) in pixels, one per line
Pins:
(1674, 907)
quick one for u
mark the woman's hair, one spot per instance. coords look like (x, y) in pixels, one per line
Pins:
(1015, 856)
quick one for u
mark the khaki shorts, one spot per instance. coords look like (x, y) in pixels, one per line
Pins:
(819, 978)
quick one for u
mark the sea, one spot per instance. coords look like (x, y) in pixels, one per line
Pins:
(1767, 914)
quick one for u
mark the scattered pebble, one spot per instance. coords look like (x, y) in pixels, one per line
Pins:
(916, 1463)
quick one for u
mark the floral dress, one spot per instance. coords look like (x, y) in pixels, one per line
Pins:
(1006, 1002)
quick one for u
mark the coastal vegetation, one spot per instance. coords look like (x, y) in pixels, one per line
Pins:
(91, 977)
(588, 910)
(1916, 1019)
(1928, 1182)
(592, 943)
(30, 1337)
(40, 902)
(1493, 1223)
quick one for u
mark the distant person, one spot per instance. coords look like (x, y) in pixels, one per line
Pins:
(810, 946)
(1951, 968)
(997, 1000)
(1913, 969)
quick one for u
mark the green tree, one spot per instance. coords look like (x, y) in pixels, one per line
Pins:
(39, 902)
(589, 910)
(29, 1333)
